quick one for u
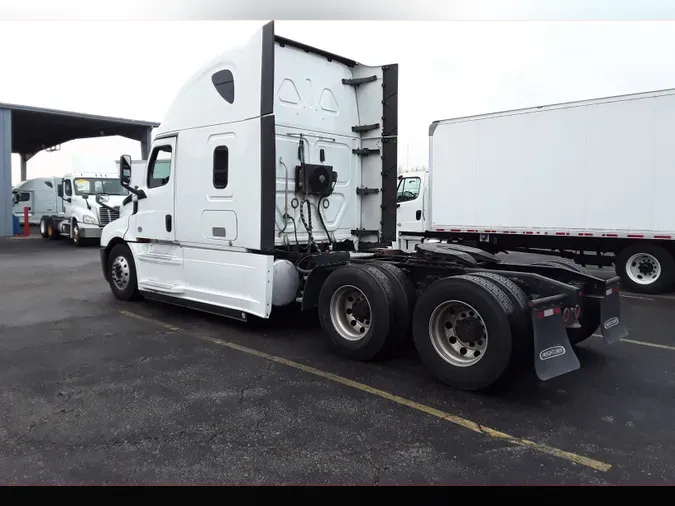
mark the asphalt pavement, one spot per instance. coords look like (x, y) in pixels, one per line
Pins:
(96, 391)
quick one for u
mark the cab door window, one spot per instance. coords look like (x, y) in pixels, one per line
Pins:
(408, 189)
(159, 168)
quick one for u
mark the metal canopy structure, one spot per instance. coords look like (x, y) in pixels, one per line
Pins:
(26, 131)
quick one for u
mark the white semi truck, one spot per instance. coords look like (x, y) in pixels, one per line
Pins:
(272, 181)
(38, 195)
(85, 203)
(590, 181)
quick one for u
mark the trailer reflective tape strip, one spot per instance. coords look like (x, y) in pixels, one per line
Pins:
(548, 312)
(462, 422)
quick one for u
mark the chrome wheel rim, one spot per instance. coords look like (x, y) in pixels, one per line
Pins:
(350, 313)
(76, 233)
(120, 272)
(43, 227)
(458, 333)
(643, 269)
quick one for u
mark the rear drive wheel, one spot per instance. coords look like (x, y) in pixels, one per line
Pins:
(404, 301)
(521, 322)
(589, 319)
(122, 273)
(462, 333)
(355, 311)
(645, 268)
(43, 226)
(52, 232)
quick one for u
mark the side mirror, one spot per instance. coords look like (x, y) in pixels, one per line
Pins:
(125, 170)
(59, 190)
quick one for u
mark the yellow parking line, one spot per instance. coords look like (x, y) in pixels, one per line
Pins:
(462, 422)
(150, 320)
(644, 343)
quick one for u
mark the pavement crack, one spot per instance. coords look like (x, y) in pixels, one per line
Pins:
(376, 468)
(256, 380)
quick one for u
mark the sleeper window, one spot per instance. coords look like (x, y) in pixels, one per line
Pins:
(223, 81)
(220, 167)
(159, 168)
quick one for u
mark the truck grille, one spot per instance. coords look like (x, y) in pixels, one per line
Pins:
(105, 216)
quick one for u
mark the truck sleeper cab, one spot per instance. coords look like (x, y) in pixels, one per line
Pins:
(272, 181)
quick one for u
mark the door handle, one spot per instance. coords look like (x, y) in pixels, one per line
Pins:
(167, 222)
(418, 215)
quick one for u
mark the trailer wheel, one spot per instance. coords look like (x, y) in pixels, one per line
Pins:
(122, 273)
(404, 300)
(645, 268)
(521, 324)
(589, 321)
(43, 227)
(355, 312)
(462, 332)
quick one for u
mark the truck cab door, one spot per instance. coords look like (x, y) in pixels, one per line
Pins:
(67, 196)
(155, 219)
(22, 199)
(410, 204)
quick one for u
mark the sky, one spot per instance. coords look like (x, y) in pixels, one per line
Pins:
(133, 69)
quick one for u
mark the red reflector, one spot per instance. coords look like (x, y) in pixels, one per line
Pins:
(566, 314)
(615, 289)
(577, 311)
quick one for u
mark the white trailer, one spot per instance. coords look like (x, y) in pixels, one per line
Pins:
(85, 203)
(591, 181)
(272, 181)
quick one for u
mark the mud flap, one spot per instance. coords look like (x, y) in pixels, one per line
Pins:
(553, 353)
(612, 327)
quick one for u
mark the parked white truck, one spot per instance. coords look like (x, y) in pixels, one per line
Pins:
(85, 203)
(38, 195)
(590, 181)
(272, 181)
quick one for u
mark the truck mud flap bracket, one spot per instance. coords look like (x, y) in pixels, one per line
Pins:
(553, 352)
(611, 325)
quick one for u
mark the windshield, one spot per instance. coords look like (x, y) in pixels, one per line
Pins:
(92, 186)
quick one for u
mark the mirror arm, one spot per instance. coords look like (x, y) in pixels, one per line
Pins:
(139, 193)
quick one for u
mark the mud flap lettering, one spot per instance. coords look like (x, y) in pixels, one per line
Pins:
(553, 353)
(611, 325)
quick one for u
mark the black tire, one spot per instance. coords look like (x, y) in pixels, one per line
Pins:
(404, 302)
(662, 256)
(43, 226)
(130, 291)
(493, 306)
(521, 322)
(52, 232)
(378, 292)
(589, 321)
(75, 233)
